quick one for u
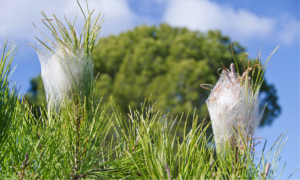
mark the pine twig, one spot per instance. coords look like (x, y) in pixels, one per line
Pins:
(99, 170)
(24, 165)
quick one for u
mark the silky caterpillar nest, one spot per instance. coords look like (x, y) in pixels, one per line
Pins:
(233, 107)
(62, 71)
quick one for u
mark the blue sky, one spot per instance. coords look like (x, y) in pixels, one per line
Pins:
(250, 22)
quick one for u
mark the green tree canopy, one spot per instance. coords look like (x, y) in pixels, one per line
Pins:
(167, 65)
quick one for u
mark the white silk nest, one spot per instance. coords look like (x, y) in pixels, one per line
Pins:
(62, 73)
(234, 110)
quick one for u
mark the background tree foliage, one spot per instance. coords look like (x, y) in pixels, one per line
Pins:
(166, 65)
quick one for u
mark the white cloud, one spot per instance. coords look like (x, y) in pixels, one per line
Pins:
(288, 29)
(239, 24)
(16, 16)
(205, 15)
